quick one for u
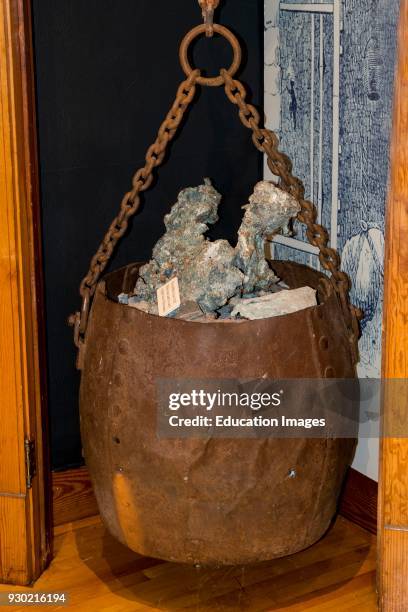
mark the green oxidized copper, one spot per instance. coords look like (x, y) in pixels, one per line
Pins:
(210, 273)
(269, 210)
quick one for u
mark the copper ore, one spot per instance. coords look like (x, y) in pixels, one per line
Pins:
(210, 273)
(204, 269)
(269, 210)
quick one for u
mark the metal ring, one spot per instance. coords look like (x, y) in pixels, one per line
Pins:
(197, 31)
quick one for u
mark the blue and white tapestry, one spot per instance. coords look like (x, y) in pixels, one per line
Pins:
(329, 72)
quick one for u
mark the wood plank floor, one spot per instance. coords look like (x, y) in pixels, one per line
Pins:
(99, 574)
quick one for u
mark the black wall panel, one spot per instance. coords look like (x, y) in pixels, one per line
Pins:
(107, 72)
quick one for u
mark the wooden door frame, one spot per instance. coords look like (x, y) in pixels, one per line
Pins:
(24, 496)
(393, 485)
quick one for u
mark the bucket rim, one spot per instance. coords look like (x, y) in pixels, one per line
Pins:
(105, 291)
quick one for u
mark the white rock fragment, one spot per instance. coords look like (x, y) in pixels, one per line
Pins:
(275, 304)
(123, 298)
(143, 305)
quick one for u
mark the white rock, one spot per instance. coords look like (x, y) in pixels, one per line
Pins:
(275, 304)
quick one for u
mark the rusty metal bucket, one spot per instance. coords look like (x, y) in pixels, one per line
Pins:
(238, 504)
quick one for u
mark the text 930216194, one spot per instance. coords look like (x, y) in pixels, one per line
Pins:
(32, 598)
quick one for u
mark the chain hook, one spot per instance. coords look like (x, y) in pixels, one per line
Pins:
(208, 7)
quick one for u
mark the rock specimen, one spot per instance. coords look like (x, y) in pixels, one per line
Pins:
(269, 210)
(210, 273)
(275, 304)
(205, 270)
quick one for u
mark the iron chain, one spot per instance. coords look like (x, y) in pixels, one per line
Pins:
(141, 181)
(280, 165)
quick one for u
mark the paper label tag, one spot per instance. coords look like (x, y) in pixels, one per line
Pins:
(168, 297)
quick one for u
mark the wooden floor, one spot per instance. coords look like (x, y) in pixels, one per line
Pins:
(100, 574)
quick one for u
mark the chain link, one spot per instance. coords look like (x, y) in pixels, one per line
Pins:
(208, 7)
(280, 165)
(141, 181)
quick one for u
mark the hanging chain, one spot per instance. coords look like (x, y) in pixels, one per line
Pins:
(141, 181)
(208, 7)
(264, 140)
(280, 165)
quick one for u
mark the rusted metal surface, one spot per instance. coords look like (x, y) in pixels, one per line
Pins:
(208, 7)
(208, 501)
(141, 181)
(192, 35)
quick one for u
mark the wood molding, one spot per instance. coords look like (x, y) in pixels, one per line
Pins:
(358, 502)
(73, 498)
(24, 516)
(393, 486)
